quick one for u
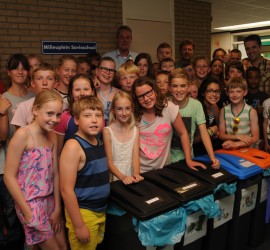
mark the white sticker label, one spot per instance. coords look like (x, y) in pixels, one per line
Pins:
(217, 175)
(184, 189)
(247, 164)
(152, 200)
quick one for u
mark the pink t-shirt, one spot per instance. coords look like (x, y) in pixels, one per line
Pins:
(155, 140)
(62, 126)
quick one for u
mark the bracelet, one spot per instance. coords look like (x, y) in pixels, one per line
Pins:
(210, 132)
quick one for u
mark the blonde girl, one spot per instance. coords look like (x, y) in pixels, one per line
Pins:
(121, 141)
(31, 175)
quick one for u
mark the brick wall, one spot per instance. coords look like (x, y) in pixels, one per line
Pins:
(25, 23)
(193, 21)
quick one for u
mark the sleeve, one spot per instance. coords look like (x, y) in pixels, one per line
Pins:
(171, 111)
(62, 126)
(20, 116)
(266, 108)
(199, 113)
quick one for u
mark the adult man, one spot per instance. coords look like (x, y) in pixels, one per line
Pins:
(253, 49)
(186, 51)
(124, 39)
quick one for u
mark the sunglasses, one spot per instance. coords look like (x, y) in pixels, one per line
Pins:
(236, 121)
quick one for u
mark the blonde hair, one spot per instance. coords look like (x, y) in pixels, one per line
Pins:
(236, 82)
(86, 102)
(128, 67)
(178, 73)
(46, 96)
(43, 67)
(122, 95)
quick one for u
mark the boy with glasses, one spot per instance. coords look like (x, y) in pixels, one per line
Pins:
(238, 122)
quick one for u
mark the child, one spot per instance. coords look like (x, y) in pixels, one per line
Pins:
(34, 61)
(162, 82)
(192, 114)
(201, 67)
(238, 122)
(188, 68)
(66, 69)
(84, 177)
(83, 65)
(157, 117)
(167, 64)
(255, 97)
(43, 77)
(127, 74)
(164, 50)
(266, 125)
(144, 63)
(105, 73)
(209, 95)
(193, 89)
(31, 174)
(121, 141)
(79, 85)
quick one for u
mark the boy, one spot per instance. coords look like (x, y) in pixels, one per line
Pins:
(238, 122)
(255, 97)
(84, 177)
(201, 67)
(83, 66)
(167, 64)
(164, 50)
(266, 125)
(192, 113)
(162, 82)
(127, 74)
(43, 77)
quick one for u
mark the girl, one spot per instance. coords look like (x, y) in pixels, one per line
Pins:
(31, 174)
(121, 141)
(201, 67)
(65, 70)
(209, 95)
(144, 62)
(216, 69)
(79, 85)
(156, 119)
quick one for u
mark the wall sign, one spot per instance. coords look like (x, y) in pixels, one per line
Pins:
(67, 47)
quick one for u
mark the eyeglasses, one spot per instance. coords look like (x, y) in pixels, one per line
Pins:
(148, 94)
(106, 70)
(211, 91)
(236, 121)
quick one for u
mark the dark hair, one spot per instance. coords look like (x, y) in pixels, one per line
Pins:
(236, 51)
(83, 59)
(70, 87)
(163, 45)
(221, 75)
(14, 61)
(216, 50)
(161, 100)
(186, 42)
(253, 68)
(201, 93)
(93, 56)
(148, 58)
(253, 37)
(236, 65)
(123, 27)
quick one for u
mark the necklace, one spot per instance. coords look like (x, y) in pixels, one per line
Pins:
(104, 98)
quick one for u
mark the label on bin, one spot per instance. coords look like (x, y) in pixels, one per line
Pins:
(217, 175)
(248, 200)
(246, 164)
(184, 189)
(152, 200)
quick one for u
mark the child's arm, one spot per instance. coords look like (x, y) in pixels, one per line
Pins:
(208, 145)
(265, 135)
(69, 165)
(179, 126)
(15, 150)
(136, 157)
(4, 125)
(108, 149)
(56, 217)
(60, 143)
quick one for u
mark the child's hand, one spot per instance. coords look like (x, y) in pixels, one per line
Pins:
(246, 139)
(56, 221)
(128, 180)
(82, 234)
(267, 147)
(4, 105)
(215, 163)
(137, 177)
(194, 164)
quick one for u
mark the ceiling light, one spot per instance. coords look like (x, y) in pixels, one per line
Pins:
(244, 26)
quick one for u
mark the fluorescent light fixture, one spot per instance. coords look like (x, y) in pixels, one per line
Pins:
(244, 26)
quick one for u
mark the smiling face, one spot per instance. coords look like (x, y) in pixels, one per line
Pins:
(81, 87)
(48, 115)
(146, 96)
(143, 67)
(18, 75)
(123, 110)
(212, 94)
(66, 71)
(236, 95)
(253, 50)
(105, 72)
(179, 89)
(201, 69)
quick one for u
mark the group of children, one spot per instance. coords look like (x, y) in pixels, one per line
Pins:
(77, 133)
